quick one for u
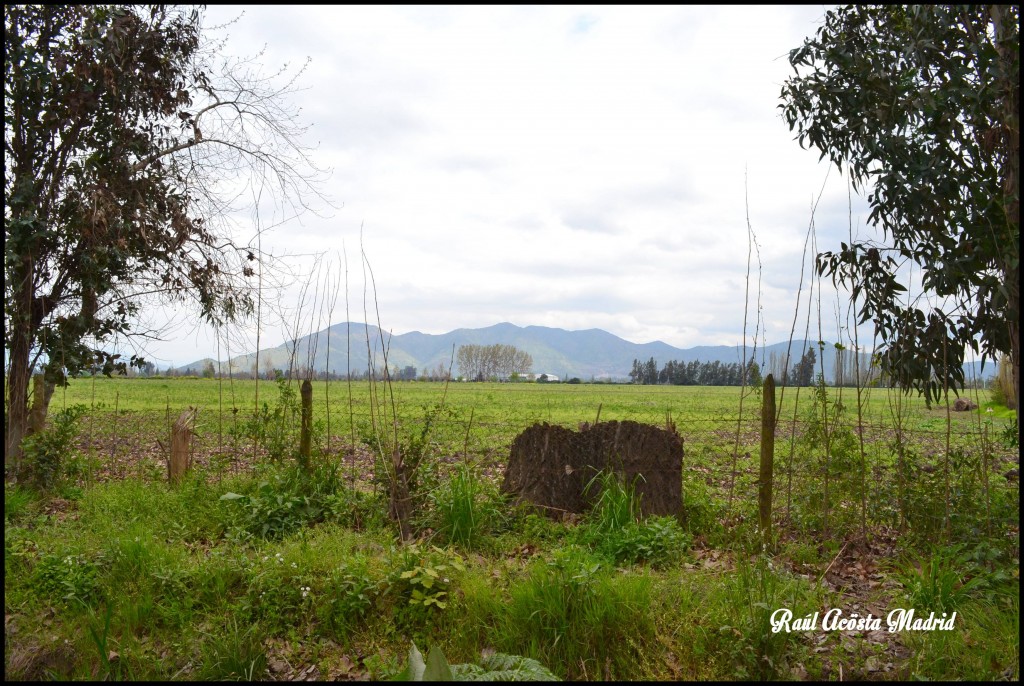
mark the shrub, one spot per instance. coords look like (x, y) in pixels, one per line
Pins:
(45, 451)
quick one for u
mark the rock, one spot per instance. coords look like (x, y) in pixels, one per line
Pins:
(551, 466)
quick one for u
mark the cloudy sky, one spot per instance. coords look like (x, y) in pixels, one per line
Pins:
(575, 167)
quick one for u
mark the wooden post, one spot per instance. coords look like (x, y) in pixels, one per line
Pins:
(764, 488)
(181, 443)
(305, 435)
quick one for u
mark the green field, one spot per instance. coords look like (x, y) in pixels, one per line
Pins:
(500, 411)
(111, 573)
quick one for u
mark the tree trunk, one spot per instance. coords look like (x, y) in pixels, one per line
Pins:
(17, 401)
(42, 391)
(1004, 27)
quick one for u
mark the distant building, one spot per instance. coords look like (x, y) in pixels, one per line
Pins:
(532, 376)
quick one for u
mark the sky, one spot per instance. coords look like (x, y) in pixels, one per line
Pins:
(573, 167)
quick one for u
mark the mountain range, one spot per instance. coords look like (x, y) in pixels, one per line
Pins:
(591, 354)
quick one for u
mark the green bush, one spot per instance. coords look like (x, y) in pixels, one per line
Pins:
(289, 500)
(46, 451)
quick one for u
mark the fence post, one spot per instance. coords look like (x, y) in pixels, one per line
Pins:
(181, 444)
(305, 438)
(764, 488)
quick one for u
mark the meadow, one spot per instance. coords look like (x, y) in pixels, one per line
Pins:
(253, 568)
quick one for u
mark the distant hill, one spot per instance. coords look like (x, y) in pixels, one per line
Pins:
(588, 354)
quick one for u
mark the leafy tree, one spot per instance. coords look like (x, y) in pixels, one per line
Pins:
(123, 139)
(754, 373)
(803, 371)
(482, 362)
(921, 104)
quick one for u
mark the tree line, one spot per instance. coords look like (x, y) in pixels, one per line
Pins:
(489, 362)
(715, 373)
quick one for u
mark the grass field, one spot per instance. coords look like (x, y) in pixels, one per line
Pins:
(111, 573)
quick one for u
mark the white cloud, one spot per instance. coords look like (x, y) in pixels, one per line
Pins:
(556, 166)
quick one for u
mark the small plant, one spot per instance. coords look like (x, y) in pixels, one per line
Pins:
(350, 593)
(616, 504)
(46, 452)
(99, 640)
(575, 612)
(428, 579)
(1010, 436)
(755, 591)
(657, 540)
(276, 430)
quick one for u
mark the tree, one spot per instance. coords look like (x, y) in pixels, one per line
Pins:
(123, 140)
(921, 104)
(482, 362)
(803, 371)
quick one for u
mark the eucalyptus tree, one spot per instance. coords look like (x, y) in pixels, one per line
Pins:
(920, 105)
(128, 137)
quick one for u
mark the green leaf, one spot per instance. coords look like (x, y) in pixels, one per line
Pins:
(437, 667)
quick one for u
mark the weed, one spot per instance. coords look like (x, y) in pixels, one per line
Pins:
(752, 595)
(576, 615)
(69, 577)
(281, 506)
(613, 530)
(616, 503)
(99, 640)
(350, 592)
(233, 655)
(465, 508)
(428, 579)
(937, 583)
(18, 502)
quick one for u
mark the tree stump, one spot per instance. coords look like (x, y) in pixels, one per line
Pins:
(180, 459)
(551, 466)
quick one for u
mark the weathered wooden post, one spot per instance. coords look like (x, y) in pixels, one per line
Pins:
(181, 446)
(305, 434)
(764, 488)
